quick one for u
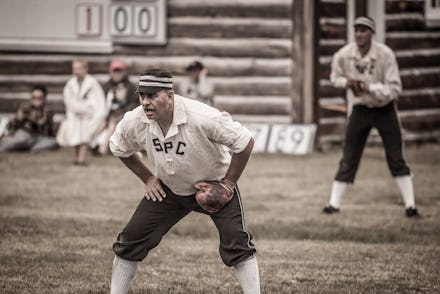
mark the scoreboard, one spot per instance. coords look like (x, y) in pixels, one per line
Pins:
(80, 25)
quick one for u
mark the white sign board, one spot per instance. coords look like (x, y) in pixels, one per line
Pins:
(291, 139)
(88, 26)
(432, 13)
(282, 138)
(260, 133)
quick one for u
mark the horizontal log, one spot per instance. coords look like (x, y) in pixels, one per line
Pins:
(250, 105)
(229, 8)
(205, 27)
(270, 119)
(415, 99)
(11, 105)
(326, 141)
(405, 58)
(405, 22)
(260, 105)
(411, 79)
(244, 85)
(418, 58)
(419, 98)
(326, 89)
(333, 29)
(257, 86)
(13, 64)
(413, 40)
(253, 47)
(331, 111)
(414, 121)
(401, 6)
(420, 120)
(420, 77)
(327, 47)
(332, 9)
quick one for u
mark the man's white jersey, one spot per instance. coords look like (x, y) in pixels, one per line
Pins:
(196, 147)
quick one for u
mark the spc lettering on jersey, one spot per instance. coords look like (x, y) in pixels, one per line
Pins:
(168, 146)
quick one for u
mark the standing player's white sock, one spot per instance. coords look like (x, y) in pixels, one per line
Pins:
(248, 276)
(405, 185)
(338, 190)
(123, 273)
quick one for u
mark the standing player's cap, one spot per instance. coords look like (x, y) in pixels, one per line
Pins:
(154, 80)
(117, 65)
(365, 22)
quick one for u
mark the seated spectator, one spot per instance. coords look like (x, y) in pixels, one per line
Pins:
(85, 111)
(32, 127)
(197, 86)
(120, 97)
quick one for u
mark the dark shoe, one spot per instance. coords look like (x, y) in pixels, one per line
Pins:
(95, 151)
(412, 213)
(330, 209)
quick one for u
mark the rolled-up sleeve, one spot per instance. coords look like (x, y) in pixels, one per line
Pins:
(337, 75)
(123, 142)
(230, 133)
(392, 85)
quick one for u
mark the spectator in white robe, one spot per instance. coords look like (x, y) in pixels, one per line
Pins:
(85, 111)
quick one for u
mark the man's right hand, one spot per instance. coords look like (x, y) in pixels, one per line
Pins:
(355, 86)
(153, 189)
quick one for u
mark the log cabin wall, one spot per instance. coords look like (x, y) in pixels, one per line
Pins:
(247, 48)
(245, 45)
(417, 49)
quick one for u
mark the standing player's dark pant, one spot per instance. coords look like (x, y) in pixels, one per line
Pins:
(152, 220)
(360, 122)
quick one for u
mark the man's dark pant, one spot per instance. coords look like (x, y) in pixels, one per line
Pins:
(360, 122)
(152, 220)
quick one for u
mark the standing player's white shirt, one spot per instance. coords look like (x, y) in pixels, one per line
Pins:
(195, 148)
(378, 68)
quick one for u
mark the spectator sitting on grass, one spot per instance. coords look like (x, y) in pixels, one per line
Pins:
(32, 127)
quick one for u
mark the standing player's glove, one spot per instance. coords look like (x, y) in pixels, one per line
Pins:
(213, 195)
(355, 86)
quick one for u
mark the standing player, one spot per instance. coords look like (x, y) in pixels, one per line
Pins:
(369, 72)
(187, 143)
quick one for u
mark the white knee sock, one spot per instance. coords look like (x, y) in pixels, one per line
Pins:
(123, 273)
(405, 185)
(338, 190)
(248, 276)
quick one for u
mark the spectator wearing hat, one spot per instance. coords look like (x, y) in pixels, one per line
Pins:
(121, 97)
(85, 111)
(32, 128)
(369, 72)
(197, 85)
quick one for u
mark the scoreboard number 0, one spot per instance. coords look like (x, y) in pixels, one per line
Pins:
(132, 20)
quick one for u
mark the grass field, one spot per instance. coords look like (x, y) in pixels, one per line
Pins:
(58, 222)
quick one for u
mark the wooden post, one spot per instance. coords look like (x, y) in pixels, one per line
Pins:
(315, 63)
(361, 8)
(303, 78)
(298, 61)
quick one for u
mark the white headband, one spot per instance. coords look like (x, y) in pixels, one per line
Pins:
(156, 84)
(156, 79)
